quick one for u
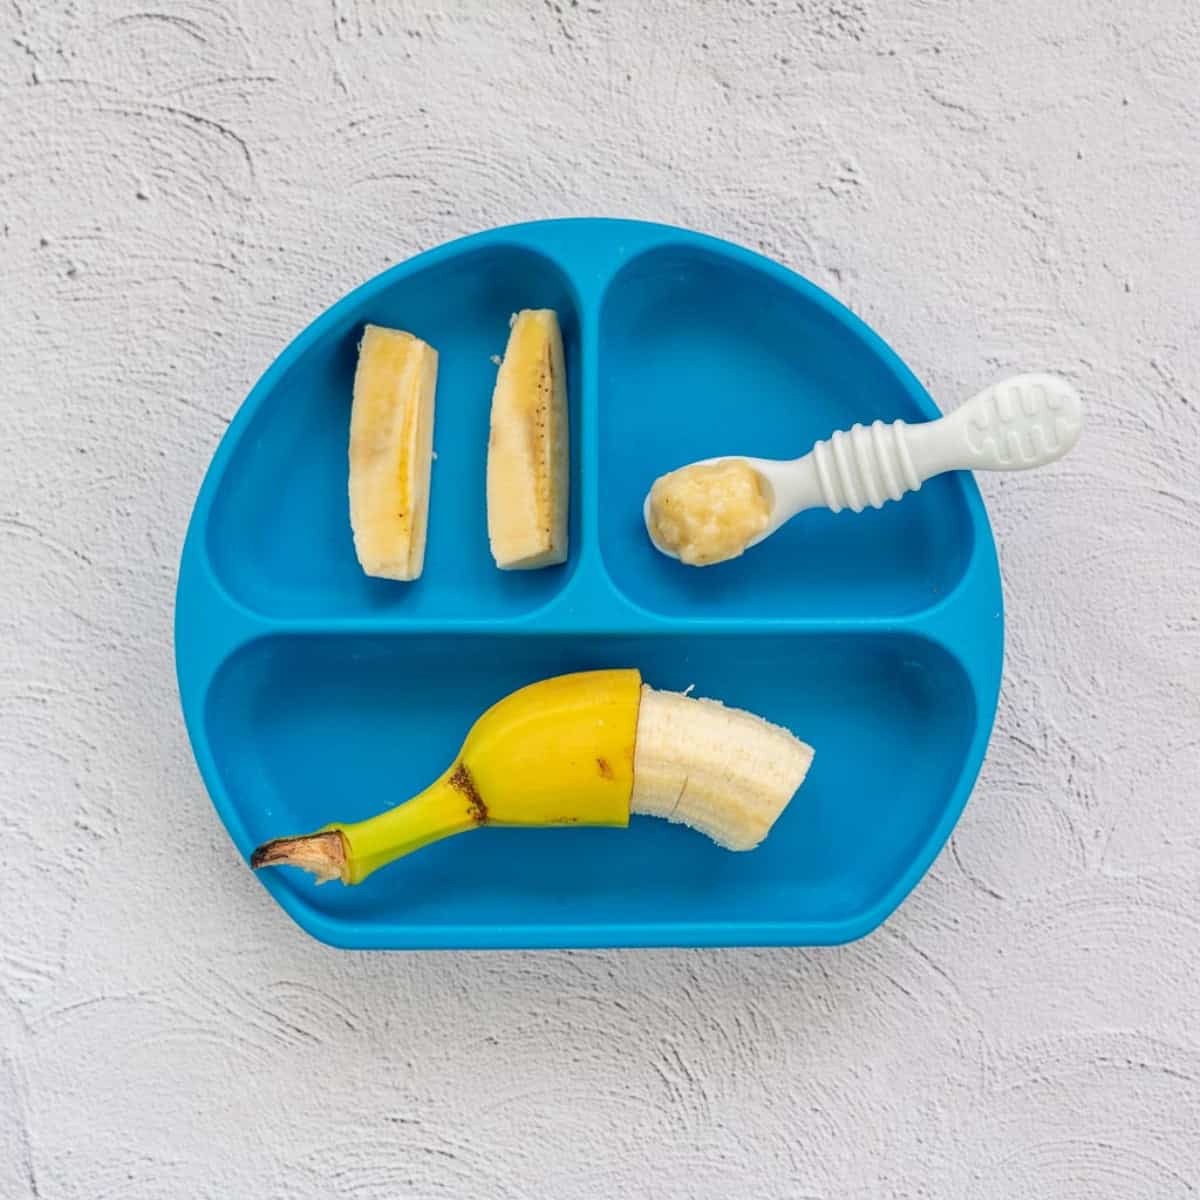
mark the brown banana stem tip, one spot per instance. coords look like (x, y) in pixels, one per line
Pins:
(324, 854)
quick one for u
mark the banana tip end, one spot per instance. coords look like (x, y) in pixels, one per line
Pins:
(322, 854)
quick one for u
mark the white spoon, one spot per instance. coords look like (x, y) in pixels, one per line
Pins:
(1022, 422)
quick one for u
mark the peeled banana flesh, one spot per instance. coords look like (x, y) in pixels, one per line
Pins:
(391, 451)
(528, 474)
(723, 771)
(581, 749)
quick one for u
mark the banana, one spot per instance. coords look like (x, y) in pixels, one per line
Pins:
(528, 460)
(391, 449)
(722, 771)
(582, 749)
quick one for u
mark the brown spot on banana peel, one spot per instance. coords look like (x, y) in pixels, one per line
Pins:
(606, 771)
(324, 854)
(460, 780)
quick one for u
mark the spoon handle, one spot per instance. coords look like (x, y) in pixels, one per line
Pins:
(1025, 421)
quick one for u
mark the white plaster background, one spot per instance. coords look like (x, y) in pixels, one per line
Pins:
(994, 186)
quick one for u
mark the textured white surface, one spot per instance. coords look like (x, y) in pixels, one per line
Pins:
(995, 187)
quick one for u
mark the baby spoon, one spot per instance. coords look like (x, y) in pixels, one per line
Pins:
(1022, 422)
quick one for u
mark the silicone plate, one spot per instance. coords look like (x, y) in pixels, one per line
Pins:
(312, 692)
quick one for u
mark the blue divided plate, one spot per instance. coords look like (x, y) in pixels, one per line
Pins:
(313, 693)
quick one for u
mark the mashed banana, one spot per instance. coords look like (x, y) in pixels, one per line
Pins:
(709, 512)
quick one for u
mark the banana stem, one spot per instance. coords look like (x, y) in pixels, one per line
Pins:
(324, 854)
(352, 852)
(449, 806)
